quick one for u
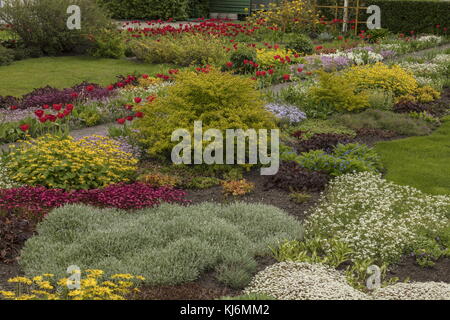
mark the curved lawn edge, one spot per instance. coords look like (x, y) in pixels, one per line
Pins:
(420, 162)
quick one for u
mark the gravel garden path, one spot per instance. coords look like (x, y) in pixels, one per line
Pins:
(101, 130)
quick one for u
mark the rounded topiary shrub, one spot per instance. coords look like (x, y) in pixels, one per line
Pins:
(168, 245)
(220, 100)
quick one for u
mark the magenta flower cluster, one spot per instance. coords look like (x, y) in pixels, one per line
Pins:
(38, 201)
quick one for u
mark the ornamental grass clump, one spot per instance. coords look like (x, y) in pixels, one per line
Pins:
(375, 218)
(168, 245)
(65, 163)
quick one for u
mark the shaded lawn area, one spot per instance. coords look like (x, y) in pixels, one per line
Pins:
(421, 162)
(21, 77)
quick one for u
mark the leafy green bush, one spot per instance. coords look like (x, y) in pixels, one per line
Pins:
(183, 50)
(42, 24)
(108, 44)
(167, 245)
(337, 93)
(220, 100)
(147, 9)
(299, 43)
(242, 54)
(385, 120)
(345, 159)
(6, 56)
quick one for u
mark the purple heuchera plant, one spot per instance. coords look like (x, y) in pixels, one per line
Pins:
(49, 95)
(39, 200)
(286, 112)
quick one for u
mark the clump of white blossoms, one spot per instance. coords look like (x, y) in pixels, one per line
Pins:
(426, 68)
(441, 58)
(430, 38)
(303, 281)
(414, 291)
(5, 180)
(377, 219)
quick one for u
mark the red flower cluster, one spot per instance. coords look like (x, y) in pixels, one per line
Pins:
(61, 114)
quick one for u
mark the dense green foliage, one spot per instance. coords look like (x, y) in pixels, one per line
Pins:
(168, 245)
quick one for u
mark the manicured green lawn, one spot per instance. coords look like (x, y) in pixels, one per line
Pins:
(62, 72)
(421, 162)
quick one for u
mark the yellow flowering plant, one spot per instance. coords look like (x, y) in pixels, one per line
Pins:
(287, 15)
(95, 286)
(69, 164)
(277, 57)
(423, 95)
(393, 78)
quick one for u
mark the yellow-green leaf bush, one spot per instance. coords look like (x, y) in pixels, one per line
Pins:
(66, 163)
(335, 92)
(393, 78)
(220, 100)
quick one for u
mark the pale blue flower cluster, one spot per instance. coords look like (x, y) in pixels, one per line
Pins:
(286, 112)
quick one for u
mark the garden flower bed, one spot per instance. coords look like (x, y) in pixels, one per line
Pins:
(362, 181)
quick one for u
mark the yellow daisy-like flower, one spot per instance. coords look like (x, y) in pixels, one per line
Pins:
(20, 280)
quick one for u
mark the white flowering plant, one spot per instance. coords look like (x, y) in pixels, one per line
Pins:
(377, 219)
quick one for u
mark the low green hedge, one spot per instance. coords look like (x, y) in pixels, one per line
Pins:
(156, 9)
(401, 16)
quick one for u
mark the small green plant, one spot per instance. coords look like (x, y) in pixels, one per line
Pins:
(299, 197)
(202, 183)
(299, 43)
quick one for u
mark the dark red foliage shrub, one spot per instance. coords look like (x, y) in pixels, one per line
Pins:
(132, 196)
(410, 106)
(292, 177)
(321, 141)
(8, 101)
(49, 95)
(14, 231)
(35, 202)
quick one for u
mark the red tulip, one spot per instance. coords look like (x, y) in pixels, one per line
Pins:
(130, 118)
(229, 64)
(319, 48)
(138, 100)
(121, 121)
(43, 120)
(39, 113)
(45, 106)
(145, 76)
(139, 115)
(57, 107)
(299, 70)
(286, 77)
(60, 115)
(69, 107)
(24, 127)
(74, 95)
(13, 107)
(90, 88)
(110, 87)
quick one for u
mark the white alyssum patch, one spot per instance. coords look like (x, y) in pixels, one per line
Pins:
(422, 69)
(430, 38)
(5, 180)
(441, 59)
(414, 291)
(377, 219)
(303, 281)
